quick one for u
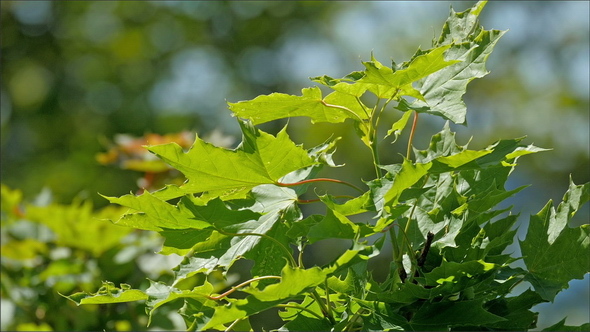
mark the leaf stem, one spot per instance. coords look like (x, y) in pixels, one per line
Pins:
(374, 122)
(319, 180)
(327, 313)
(412, 132)
(235, 288)
(293, 306)
(328, 297)
(396, 253)
(375, 117)
(376, 162)
(288, 253)
(306, 201)
(352, 321)
(358, 100)
(231, 326)
(342, 108)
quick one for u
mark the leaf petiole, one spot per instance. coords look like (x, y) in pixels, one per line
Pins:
(293, 306)
(327, 312)
(280, 184)
(412, 132)
(342, 108)
(307, 201)
(235, 288)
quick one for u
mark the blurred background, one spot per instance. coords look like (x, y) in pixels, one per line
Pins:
(76, 74)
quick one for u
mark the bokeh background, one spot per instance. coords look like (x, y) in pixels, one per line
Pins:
(76, 74)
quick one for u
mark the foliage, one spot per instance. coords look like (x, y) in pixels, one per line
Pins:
(50, 248)
(439, 212)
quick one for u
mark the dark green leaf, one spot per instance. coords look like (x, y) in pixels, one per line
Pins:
(439, 315)
(553, 252)
(516, 311)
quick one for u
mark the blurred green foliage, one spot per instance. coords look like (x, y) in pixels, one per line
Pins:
(50, 248)
(76, 74)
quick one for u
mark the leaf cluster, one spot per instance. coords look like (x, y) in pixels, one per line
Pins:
(50, 248)
(438, 211)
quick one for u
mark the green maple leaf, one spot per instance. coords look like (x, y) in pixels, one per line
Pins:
(109, 293)
(516, 311)
(553, 252)
(159, 294)
(311, 104)
(260, 159)
(469, 44)
(189, 213)
(384, 82)
(294, 281)
(441, 315)
(223, 243)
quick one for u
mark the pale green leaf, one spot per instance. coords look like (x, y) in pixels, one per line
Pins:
(303, 320)
(160, 294)
(108, 293)
(407, 176)
(156, 214)
(310, 104)
(294, 281)
(472, 46)
(342, 84)
(260, 159)
(353, 206)
(398, 126)
(384, 82)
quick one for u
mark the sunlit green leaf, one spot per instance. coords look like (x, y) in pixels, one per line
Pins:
(398, 126)
(261, 158)
(108, 293)
(472, 46)
(293, 282)
(160, 294)
(384, 82)
(310, 104)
